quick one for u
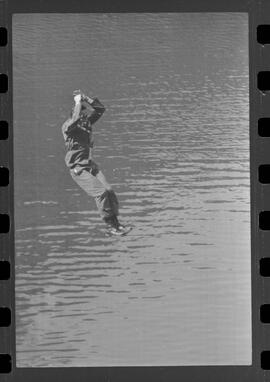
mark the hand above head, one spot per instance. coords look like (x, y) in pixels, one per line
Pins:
(86, 98)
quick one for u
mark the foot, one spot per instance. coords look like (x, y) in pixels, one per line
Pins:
(124, 229)
(115, 231)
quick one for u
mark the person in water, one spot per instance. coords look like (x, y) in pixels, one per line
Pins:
(77, 132)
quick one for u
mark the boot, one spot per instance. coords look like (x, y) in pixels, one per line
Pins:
(114, 227)
(120, 227)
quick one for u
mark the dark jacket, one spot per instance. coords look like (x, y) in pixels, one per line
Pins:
(78, 135)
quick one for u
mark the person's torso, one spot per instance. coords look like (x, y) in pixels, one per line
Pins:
(79, 143)
(80, 135)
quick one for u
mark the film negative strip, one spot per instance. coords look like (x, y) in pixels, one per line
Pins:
(5, 320)
(179, 290)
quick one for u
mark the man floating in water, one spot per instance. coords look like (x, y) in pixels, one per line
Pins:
(77, 131)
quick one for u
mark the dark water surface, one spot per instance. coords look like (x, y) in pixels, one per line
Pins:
(174, 142)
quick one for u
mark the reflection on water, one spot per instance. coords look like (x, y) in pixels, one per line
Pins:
(174, 143)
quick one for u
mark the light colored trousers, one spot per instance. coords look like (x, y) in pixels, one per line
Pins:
(97, 187)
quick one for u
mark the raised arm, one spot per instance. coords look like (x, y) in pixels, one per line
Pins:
(98, 111)
(70, 123)
(77, 108)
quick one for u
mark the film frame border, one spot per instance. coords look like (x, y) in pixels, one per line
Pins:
(259, 83)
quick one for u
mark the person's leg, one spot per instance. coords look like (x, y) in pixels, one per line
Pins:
(100, 176)
(108, 207)
(108, 204)
(106, 200)
(89, 183)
